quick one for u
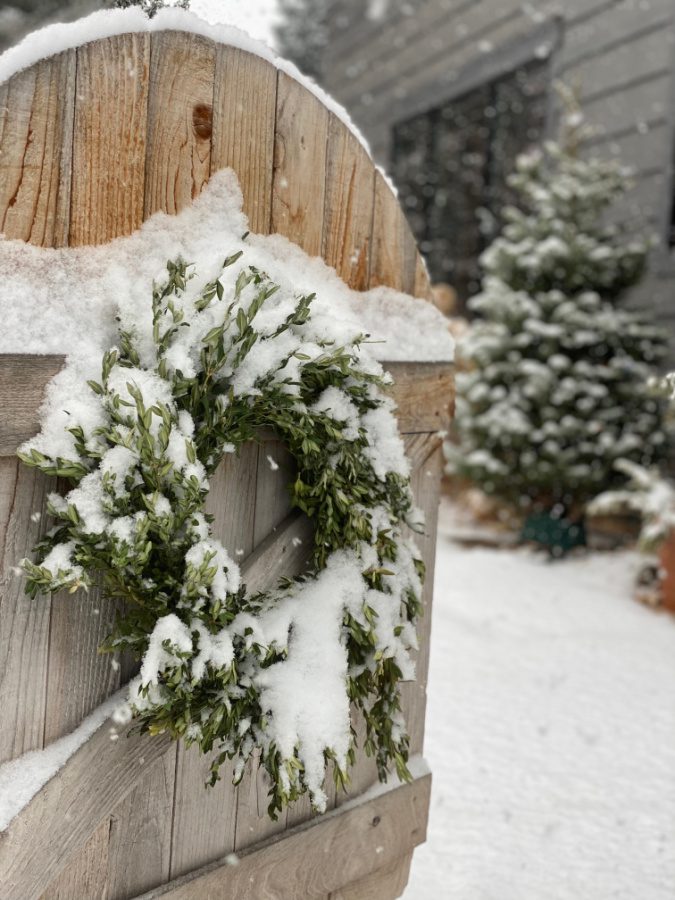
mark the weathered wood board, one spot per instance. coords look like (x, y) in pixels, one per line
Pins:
(92, 142)
(423, 393)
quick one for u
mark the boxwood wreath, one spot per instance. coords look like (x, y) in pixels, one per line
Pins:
(230, 671)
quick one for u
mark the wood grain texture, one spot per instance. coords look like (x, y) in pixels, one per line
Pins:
(85, 874)
(60, 820)
(180, 113)
(317, 858)
(23, 381)
(394, 252)
(205, 820)
(298, 187)
(110, 138)
(276, 470)
(424, 394)
(79, 678)
(244, 113)
(422, 286)
(383, 884)
(348, 206)
(427, 451)
(36, 134)
(284, 552)
(24, 623)
(139, 846)
(232, 500)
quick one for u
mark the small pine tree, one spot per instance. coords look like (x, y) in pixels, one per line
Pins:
(557, 384)
(302, 34)
(151, 7)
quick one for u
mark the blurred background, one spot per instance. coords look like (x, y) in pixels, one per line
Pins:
(449, 93)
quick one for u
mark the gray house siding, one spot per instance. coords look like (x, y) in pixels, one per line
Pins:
(621, 52)
(20, 17)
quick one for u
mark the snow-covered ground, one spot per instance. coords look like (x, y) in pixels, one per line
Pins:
(550, 732)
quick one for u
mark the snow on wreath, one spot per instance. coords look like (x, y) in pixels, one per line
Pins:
(219, 351)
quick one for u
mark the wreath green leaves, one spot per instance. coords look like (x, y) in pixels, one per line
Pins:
(234, 672)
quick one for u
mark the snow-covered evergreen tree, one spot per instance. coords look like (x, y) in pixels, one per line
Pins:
(302, 34)
(557, 389)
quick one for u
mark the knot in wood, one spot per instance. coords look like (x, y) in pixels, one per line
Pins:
(202, 120)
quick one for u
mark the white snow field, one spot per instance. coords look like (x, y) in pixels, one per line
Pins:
(550, 731)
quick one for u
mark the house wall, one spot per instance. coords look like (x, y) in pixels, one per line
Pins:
(421, 53)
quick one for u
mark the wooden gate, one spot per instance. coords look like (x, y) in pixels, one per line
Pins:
(92, 142)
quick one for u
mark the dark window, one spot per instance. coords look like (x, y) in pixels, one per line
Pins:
(451, 166)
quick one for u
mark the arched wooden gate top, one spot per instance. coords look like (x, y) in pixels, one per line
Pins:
(95, 139)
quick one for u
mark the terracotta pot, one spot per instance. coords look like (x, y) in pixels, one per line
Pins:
(667, 561)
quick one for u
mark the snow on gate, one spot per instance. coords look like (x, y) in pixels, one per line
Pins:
(124, 122)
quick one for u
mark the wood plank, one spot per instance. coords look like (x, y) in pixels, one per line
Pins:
(275, 470)
(23, 380)
(24, 623)
(109, 144)
(232, 498)
(298, 188)
(180, 108)
(205, 819)
(348, 209)
(317, 858)
(36, 134)
(428, 452)
(363, 774)
(384, 884)
(93, 781)
(422, 391)
(424, 394)
(244, 112)
(140, 832)
(79, 678)
(283, 552)
(253, 823)
(422, 286)
(394, 252)
(85, 874)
